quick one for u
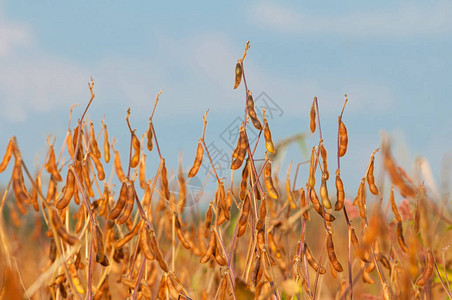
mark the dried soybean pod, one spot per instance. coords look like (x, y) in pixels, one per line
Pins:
(331, 254)
(343, 138)
(182, 189)
(238, 73)
(8, 153)
(312, 115)
(94, 146)
(362, 198)
(208, 221)
(52, 250)
(371, 179)
(400, 237)
(88, 183)
(272, 191)
(158, 253)
(69, 191)
(20, 192)
(394, 205)
(251, 112)
(51, 166)
(428, 271)
(312, 261)
(241, 152)
(267, 135)
(303, 204)
(128, 208)
(312, 168)
(324, 155)
(118, 167)
(180, 234)
(34, 194)
(74, 275)
(244, 181)
(198, 160)
(136, 151)
(114, 213)
(121, 242)
(61, 230)
(69, 143)
(145, 244)
(324, 193)
(106, 144)
(354, 238)
(98, 165)
(340, 194)
(289, 194)
(210, 248)
(262, 214)
(150, 135)
(142, 171)
(243, 220)
(164, 180)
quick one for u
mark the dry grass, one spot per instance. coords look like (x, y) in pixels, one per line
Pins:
(76, 236)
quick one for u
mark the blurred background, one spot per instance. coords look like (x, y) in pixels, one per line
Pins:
(393, 61)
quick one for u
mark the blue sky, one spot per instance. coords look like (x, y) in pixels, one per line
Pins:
(393, 60)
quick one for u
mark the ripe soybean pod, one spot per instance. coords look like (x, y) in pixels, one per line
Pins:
(324, 155)
(149, 136)
(69, 190)
(331, 254)
(362, 198)
(428, 271)
(51, 166)
(142, 171)
(118, 167)
(251, 112)
(210, 248)
(98, 166)
(289, 194)
(128, 208)
(272, 191)
(370, 177)
(8, 154)
(394, 205)
(312, 261)
(343, 139)
(106, 144)
(116, 211)
(312, 115)
(198, 160)
(61, 230)
(244, 180)
(180, 234)
(94, 147)
(238, 73)
(20, 192)
(312, 168)
(303, 204)
(400, 237)
(267, 134)
(241, 149)
(121, 242)
(243, 220)
(164, 180)
(145, 243)
(340, 194)
(136, 151)
(324, 193)
(208, 221)
(158, 253)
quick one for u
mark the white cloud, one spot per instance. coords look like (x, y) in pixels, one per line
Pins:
(407, 20)
(12, 35)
